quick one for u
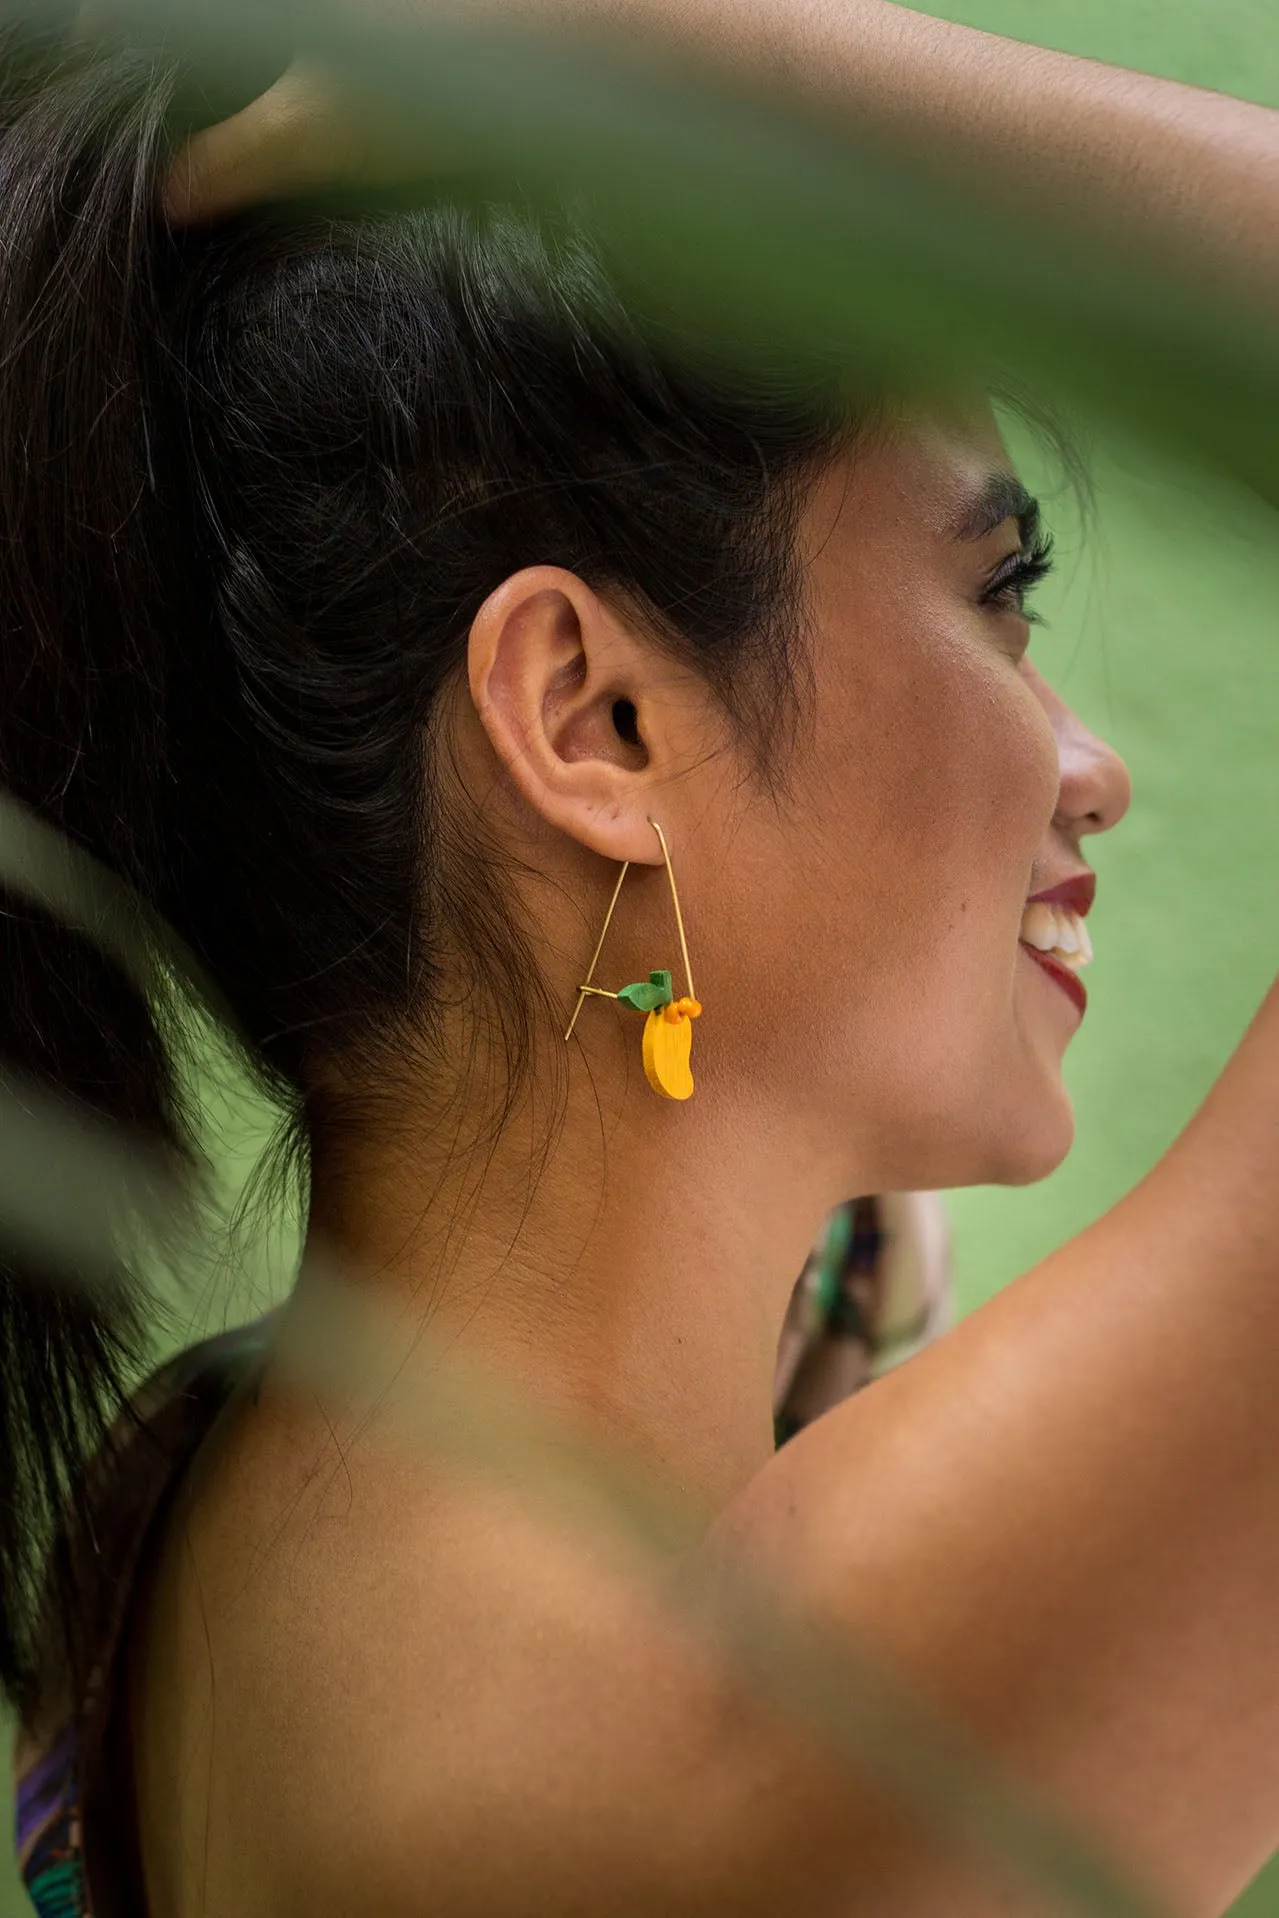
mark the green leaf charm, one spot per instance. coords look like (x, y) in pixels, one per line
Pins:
(651, 995)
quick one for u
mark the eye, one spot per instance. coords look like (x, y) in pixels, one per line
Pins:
(1013, 580)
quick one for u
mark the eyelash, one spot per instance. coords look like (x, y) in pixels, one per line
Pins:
(1019, 574)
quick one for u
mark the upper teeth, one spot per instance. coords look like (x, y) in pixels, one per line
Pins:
(1058, 930)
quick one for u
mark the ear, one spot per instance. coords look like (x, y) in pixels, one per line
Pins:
(587, 717)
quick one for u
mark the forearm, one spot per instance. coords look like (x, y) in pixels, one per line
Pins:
(1141, 158)
(1064, 1520)
(1147, 162)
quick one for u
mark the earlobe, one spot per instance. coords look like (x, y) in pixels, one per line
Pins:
(555, 679)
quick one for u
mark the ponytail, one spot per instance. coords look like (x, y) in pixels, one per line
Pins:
(82, 740)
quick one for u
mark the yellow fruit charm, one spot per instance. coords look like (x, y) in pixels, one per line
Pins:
(668, 1023)
(668, 1047)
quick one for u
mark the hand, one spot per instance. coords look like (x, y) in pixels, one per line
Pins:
(299, 137)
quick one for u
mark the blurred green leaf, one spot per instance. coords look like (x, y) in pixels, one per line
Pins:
(776, 235)
(38, 864)
(773, 237)
(63, 1176)
(66, 1181)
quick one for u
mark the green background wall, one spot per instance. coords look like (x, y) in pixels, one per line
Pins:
(1163, 633)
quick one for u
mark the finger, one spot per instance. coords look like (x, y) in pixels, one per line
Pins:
(288, 141)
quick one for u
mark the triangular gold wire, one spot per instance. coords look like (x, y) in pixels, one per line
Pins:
(679, 917)
(588, 989)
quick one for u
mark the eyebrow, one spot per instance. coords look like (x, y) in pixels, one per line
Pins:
(1002, 497)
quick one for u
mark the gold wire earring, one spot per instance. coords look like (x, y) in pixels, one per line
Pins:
(668, 1029)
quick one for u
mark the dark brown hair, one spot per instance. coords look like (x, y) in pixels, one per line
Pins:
(254, 484)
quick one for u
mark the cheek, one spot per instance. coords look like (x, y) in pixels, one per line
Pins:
(882, 906)
(861, 933)
(947, 784)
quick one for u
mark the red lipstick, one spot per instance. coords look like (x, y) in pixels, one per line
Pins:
(1070, 982)
(1076, 895)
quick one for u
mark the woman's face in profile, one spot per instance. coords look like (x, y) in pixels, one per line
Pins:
(871, 933)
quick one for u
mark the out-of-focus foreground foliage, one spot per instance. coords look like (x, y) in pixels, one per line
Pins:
(764, 233)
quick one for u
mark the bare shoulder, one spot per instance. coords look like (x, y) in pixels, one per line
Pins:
(366, 1682)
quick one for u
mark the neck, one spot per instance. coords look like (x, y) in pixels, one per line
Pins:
(618, 1268)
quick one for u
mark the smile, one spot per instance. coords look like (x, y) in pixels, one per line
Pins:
(1054, 935)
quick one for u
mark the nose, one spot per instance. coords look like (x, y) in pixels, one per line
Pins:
(1094, 785)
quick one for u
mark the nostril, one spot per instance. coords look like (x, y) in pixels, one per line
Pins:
(626, 721)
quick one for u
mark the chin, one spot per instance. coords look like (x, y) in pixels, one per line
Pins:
(1024, 1125)
(1015, 1140)
(1016, 1134)
(1034, 1145)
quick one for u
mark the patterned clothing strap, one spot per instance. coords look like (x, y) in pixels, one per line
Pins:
(876, 1288)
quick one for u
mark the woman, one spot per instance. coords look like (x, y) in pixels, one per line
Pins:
(375, 597)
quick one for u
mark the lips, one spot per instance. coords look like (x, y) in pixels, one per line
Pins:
(1054, 935)
(1071, 984)
(1076, 894)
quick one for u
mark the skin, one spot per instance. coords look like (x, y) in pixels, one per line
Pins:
(909, 1042)
(630, 1289)
(1059, 1522)
(1175, 170)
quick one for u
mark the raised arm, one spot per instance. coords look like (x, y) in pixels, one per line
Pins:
(1137, 157)
(1063, 1520)
(1130, 154)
